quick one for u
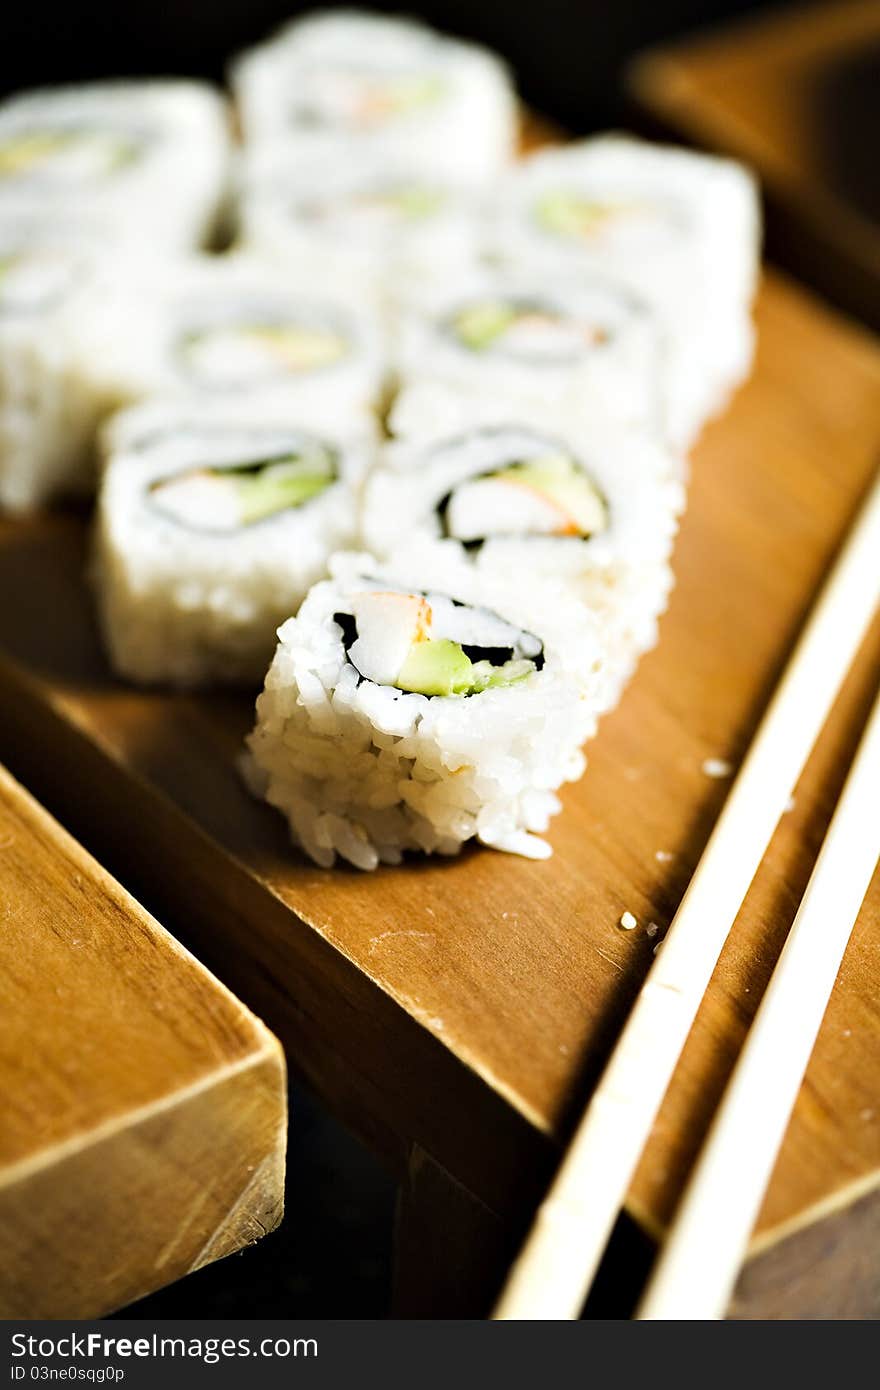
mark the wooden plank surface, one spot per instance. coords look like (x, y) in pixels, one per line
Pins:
(796, 93)
(466, 1006)
(142, 1107)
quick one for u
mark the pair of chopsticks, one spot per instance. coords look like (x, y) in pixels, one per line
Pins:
(698, 1267)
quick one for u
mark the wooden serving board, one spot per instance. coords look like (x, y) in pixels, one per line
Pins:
(796, 93)
(455, 1013)
(142, 1107)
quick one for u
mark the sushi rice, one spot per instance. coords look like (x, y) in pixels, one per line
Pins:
(472, 717)
(212, 524)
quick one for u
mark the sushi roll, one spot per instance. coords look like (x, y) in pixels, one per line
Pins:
(589, 347)
(386, 222)
(48, 410)
(212, 524)
(509, 492)
(681, 230)
(148, 159)
(233, 327)
(400, 715)
(349, 85)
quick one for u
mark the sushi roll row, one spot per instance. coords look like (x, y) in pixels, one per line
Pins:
(416, 443)
(558, 337)
(612, 277)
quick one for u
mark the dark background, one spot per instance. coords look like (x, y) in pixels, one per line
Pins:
(568, 54)
(331, 1257)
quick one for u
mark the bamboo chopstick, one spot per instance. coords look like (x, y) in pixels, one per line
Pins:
(554, 1271)
(696, 1272)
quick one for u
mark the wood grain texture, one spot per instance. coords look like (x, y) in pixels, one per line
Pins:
(467, 1006)
(142, 1107)
(797, 94)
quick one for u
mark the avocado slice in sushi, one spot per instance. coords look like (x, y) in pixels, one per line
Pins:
(225, 499)
(440, 666)
(436, 666)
